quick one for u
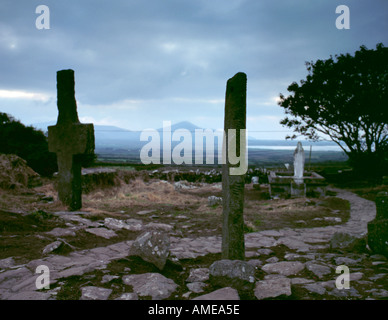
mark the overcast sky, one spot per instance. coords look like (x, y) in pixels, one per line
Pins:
(140, 62)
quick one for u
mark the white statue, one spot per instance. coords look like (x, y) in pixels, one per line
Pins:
(299, 163)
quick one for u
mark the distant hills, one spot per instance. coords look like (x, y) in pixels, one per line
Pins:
(115, 137)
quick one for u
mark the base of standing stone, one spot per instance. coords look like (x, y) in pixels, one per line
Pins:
(378, 236)
(298, 189)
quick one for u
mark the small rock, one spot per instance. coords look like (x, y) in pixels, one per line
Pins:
(95, 293)
(214, 201)
(114, 224)
(220, 294)
(144, 212)
(355, 276)
(272, 260)
(108, 278)
(134, 225)
(273, 288)
(319, 270)
(196, 287)
(235, 273)
(128, 296)
(341, 240)
(378, 257)
(300, 281)
(159, 226)
(154, 285)
(345, 261)
(315, 288)
(334, 219)
(285, 268)
(61, 232)
(251, 254)
(255, 263)
(102, 232)
(264, 251)
(198, 275)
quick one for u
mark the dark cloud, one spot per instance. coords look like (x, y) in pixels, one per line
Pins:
(156, 51)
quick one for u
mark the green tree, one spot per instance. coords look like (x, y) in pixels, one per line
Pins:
(28, 143)
(346, 99)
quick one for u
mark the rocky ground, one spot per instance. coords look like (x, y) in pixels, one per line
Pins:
(93, 254)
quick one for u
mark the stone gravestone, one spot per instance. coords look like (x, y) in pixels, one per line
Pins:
(69, 139)
(378, 228)
(299, 159)
(233, 246)
(298, 187)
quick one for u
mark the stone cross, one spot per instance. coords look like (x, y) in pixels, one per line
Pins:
(299, 163)
(233, 246)
(69, 139)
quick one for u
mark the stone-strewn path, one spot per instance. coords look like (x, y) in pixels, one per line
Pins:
(302, 240)
(282, 272)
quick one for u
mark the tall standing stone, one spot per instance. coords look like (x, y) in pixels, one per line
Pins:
(69, 139)
(233, 246)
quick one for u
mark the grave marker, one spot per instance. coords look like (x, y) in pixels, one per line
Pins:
(233, 246)
(69, 139)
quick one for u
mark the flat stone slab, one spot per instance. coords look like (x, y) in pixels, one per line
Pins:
(273, 288)
(220, 294)
(319, 270)
(7, 263)
(95, 293)
(315, 288)
(155, 285)
(102, 232)
(198, 275)
(285, 268)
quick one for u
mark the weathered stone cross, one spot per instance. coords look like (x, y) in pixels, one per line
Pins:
(68, 139)
(233, 245)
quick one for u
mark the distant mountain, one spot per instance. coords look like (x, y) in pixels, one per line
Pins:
(115, 137)
(112, 136)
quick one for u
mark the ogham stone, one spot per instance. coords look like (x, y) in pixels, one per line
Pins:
(69, 139)
(233, 247)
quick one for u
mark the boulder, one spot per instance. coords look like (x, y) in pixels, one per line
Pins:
(233, 273)
(152, 246)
